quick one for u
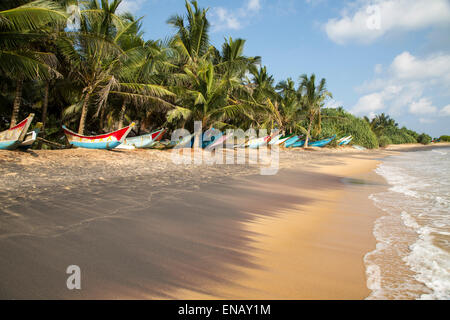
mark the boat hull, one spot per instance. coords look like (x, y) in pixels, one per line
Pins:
(255, 144)
(106, 141)
(275, 139)
(291, 141)
(9, 145)
(321, 143)
(345, 142)
(298, 144)
(10, 139)
(219, 142)
(142, 142)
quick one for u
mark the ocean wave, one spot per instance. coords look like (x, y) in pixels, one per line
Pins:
(412, 256)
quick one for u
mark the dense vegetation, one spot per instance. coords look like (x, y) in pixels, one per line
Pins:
(103, 74)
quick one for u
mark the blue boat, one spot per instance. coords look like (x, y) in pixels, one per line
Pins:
(291, 141)
(321, 143)
(298, 144)
(210, 137)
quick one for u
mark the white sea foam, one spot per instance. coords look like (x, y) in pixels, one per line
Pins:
(412, 257)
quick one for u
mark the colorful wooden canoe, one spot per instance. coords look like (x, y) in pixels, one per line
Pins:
(210, 137)
(298, 144)
(219, 141)
(143, 141)
(10, 139)
(275, 139)
(258, 142)
(291, 141)
(105, 141)
(321, 143)
(346, 141)
(281, 140)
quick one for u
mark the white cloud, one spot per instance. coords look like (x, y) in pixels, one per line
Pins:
(226, 19)
(445, 111)
(133, 6)
(366, 21)
(423, 106)
(402, 86)
(406, 66)
(369, 103)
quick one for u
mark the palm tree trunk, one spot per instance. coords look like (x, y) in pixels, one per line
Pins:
(309, 132)
(17, 100)
(122, 114)
(83, 114)
(45, 106)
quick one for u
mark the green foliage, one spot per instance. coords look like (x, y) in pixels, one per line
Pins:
(384, 141)
(445, 138)
(424, 138)
(342, 123)
(398, 136)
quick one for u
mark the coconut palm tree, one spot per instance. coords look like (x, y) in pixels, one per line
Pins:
(206, 99)
(100, 64)
(314, 97)
(290, 106)
(232, 62)
(192, 37)
(20, 28)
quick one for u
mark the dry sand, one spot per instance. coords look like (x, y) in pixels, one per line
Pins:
(141, 227)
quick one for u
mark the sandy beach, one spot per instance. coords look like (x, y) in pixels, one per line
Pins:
(141, 227)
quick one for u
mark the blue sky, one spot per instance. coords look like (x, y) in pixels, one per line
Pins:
(389, 56)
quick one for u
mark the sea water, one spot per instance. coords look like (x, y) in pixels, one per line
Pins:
(412, 256)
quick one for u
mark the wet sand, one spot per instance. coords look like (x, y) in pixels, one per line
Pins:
(140, 227)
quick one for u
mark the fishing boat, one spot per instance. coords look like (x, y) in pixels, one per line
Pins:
(211, 137)
(281, 140)
(343, 139)
(10, 139)
(291, 141)
(259, 142)
(359, 147)
(275, 139)
(143, 141)
(321, 143)
(218, 141)
(346, 141)
(298, 144)
(105, 141)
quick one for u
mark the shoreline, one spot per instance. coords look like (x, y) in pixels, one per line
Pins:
(313, 250)
(187, 232)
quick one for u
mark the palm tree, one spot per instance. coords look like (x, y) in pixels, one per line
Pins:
(20, 28)
(290, 106)
(206, 99)
(232, 62)
(192, 39)
(100, 64)
(380, 123)
(313, 101)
